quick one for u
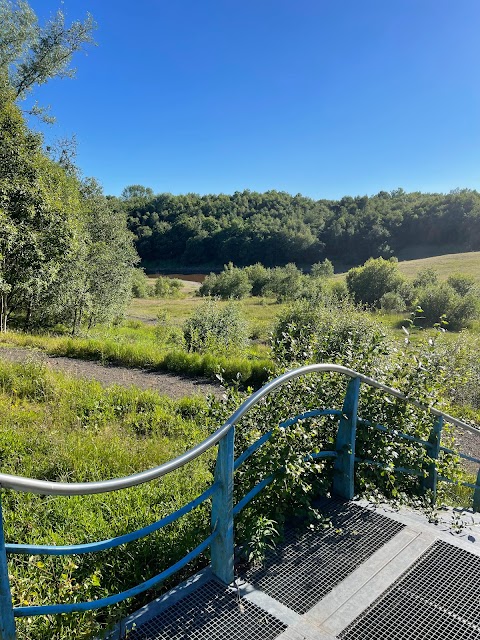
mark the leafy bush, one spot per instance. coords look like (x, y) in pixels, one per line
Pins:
(322, 269)
(369, 283)
(285, 283)
(462, 283)
(259, 277)
(140, 286)
(392, 302)
(167, 288)
(216, 329)
(232, 282)
(442, 300)
(307, 333)
(425, 278)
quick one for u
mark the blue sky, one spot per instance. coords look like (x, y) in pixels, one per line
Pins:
(323, 98)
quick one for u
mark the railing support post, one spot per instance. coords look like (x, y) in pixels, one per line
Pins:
(7, 621)
(222, 510)
(476, 494)
(344, 471)
(430, 482)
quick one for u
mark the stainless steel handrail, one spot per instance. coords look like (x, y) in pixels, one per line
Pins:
(20, 483)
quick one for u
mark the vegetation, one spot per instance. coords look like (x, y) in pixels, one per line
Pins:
(275, 228)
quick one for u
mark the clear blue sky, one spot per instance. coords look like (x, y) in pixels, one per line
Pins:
(323, 98)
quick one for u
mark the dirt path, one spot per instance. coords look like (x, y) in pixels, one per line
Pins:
(165, 383)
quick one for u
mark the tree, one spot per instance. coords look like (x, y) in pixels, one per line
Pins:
(30, 54)
(39, 216)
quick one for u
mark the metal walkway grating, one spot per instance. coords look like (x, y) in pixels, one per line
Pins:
(211, 612)
(435, 599)
(307, 566)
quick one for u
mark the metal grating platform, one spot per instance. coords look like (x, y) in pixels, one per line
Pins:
(213, 612)
(306, 566)
(435, 599)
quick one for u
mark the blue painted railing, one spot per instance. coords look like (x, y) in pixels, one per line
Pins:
(221, 538)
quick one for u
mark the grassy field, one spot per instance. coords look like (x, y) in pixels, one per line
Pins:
(445, 265)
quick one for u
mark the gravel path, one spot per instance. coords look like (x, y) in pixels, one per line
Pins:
(165, 383)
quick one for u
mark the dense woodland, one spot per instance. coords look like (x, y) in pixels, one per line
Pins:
(275, 228)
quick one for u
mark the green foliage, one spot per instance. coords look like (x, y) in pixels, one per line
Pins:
(140, 288)
(463, 284)
(392, 302)
(275, 228)
(442, 300)
(216, 329)
(167, 288)
(259, 277)
(285, 283)
(427, 277)
(31, 55)
(377, 277)
(322, 269)
(231, 283)
(307, 333)
(61, 429)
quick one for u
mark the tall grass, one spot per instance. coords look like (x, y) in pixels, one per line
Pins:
(146, 354)
(60, 429)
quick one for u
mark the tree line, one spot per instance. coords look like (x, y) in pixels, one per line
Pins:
(276, 228)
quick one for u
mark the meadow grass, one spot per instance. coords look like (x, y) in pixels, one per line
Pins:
(62, 429)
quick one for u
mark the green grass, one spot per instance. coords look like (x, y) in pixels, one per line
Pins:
(56, 428)
(259, 312)
(445, 265)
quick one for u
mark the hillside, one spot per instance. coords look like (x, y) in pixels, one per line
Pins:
(445, 265)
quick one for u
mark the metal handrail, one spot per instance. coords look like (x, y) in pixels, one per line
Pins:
(46, 487)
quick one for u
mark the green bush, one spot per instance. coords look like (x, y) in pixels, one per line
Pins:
(442, 300)
(140, 286)
(285, 283)
(231, 283)
(167, 288)
(322, 269)
(221, 330)
(259, 277)
(307, 333)
(392, 302)
(377, 277)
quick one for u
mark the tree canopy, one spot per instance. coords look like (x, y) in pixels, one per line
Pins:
(276, 228)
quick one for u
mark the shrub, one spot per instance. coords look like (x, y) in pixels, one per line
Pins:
(140, 286)
(213, 328)
(232, 282)
(442, 300)
(369, 283)
(259, 277)
(322, 269)
(307, 333)
(392, 302)
(462, 283)
(167, 288)
(286, 283)
(425, 278)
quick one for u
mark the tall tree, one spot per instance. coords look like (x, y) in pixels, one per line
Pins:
(31, 54)
(39, 209)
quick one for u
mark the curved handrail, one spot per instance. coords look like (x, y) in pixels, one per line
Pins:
(46, 487)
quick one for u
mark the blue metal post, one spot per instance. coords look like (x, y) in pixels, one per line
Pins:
(7, 621)
(476, 494)
(344, 471)
(222, 510)
(430, 482)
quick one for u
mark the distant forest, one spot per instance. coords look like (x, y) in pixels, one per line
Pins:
(276, 228)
